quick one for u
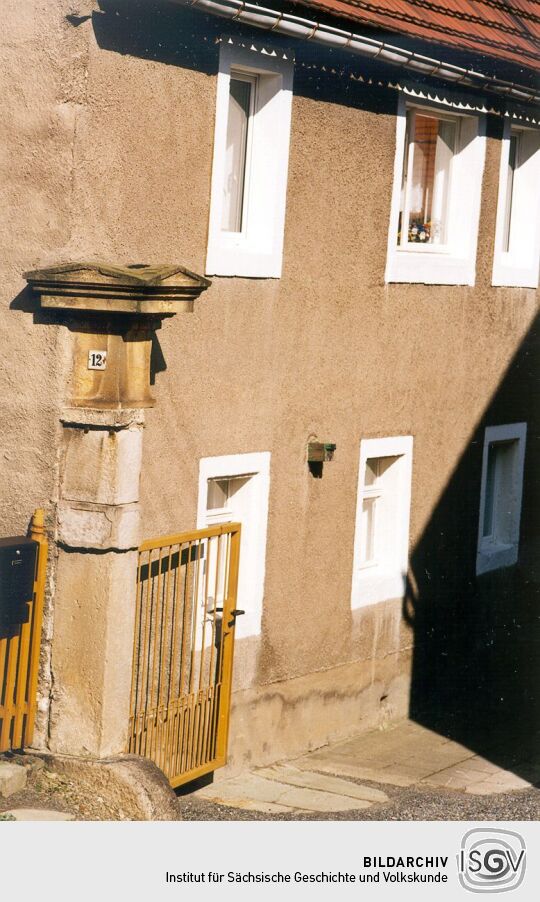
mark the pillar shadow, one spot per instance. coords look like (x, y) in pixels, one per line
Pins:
(476, 659)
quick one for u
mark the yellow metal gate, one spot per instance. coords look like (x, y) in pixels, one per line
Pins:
(19, 657)
(183, 650)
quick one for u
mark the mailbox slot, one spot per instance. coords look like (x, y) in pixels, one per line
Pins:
(17, 573)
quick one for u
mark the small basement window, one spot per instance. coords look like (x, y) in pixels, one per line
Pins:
(382, 521)
(500, 496)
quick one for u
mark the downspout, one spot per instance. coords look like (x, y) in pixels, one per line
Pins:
(309, 30)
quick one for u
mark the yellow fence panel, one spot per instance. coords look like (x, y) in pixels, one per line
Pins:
(19, 657)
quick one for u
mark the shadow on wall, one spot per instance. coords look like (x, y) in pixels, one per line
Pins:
(174, 35)
(476, 664)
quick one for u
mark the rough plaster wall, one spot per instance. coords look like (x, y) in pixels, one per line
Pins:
(42, 74)
(111, 157)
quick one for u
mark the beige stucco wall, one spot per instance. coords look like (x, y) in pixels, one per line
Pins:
(108, 155)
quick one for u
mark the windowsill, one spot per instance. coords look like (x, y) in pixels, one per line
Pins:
(423, 248)
(239, 258)
(432, 266)
(510, 272)
(375, 584)
(495, 557)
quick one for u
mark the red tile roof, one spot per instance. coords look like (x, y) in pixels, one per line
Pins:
(495, 28)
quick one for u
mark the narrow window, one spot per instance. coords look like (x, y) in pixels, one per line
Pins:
(241, 91)
(500, 462)
(430, 147)
(517, 237)
(235, 489)
(382, 520)
(376, 503)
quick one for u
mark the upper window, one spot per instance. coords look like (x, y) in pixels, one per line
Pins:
(429, 151)
(500, 496)
(382, 520)
(436, 197)
(517, 239)
(249, 175)
(235, 488)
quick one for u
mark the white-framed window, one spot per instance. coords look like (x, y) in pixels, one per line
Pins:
(251, 154)
(500, 496)
(517, 236)
(435, 208)
(235, 488)
(381, 542)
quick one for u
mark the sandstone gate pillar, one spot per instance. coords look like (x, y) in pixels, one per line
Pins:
(111, 313)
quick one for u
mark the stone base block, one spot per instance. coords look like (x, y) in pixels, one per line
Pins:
(134, 785)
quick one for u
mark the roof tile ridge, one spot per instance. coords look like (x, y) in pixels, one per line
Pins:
(370, 7)
(444, 10)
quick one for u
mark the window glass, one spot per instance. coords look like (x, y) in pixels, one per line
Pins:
(240, 91)
(498, 491)
(221, 491)
(372, 471)
(218, 493)
(367, 546)
(376, 520)
(512, 166)
(430, 148)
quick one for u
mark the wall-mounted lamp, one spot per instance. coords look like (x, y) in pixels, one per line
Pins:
(317, 454)
(320, 452)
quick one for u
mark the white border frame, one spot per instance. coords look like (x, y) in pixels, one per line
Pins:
(455, 263)
(253, 568)
(369, 584)
(256, 251)
(489, 556)
(510, 269)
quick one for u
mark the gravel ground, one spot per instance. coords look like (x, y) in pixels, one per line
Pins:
(48, 789)
(411, 804)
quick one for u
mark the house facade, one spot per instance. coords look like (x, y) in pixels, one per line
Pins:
(365, 206)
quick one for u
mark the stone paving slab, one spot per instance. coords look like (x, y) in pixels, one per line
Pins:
(286, 773)
(39, 814)
(409, 754)
(402, 756)
(251, 791)
(345, 768)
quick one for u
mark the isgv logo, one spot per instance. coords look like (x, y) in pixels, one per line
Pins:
(491, 861)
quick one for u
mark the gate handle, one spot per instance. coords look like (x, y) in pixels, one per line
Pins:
(237, 612)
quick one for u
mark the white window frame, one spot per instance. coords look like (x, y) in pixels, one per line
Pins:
(256, 251)
(490, 555)
(453, 263)
(518, 267)
(253, 540)
(380, 582)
